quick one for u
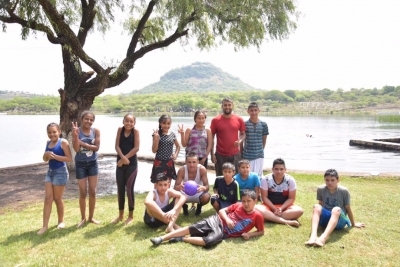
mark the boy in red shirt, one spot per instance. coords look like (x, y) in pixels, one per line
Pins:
(234, 221)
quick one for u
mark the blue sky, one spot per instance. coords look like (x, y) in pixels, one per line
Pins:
(338, 44)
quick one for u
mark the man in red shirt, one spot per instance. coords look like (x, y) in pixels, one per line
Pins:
(230, 131)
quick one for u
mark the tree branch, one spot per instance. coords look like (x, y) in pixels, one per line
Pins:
(139, 30)
(73, 41)
(88, 15)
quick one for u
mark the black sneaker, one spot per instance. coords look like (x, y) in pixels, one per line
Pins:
(185, 210)
(156, 241)
(198, 209)
(176, 239)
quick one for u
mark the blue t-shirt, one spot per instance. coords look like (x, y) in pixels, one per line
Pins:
(250, 183)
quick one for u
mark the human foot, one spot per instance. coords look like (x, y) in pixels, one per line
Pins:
(156, 241)
(94, 221)
(42, 231)
(82, 223)
(169, 229)
(129, 220)
(320, 242)
(311, 241)
(117, 220)
(293, 223)
(61, 225)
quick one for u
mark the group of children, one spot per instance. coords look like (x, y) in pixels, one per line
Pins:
(235, 196)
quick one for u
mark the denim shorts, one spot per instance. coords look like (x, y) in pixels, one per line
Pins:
(85, 169)
(57, 176)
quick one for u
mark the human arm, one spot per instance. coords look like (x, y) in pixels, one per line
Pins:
(124, 160)
(209, 146)
(223, 214)
(179, 179)
(351, 217)
(259, 225)
(184, 135)
(75, 136)
(247, 236)
(156, 140)
(180, 199)
(48, 155)
(213, 157)
(264, 140)
(177, 149)
(204, 179)
(242, 137)
(92, 147)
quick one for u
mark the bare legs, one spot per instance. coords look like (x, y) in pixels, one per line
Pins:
(155, 211)
(289, 216)
(83, 186)
(52, 193)
(181, 232)
(320, 241)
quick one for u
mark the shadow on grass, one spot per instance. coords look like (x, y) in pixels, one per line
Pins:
(105, 229)
(35, 239)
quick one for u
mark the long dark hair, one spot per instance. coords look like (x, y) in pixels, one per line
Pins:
(163, 118)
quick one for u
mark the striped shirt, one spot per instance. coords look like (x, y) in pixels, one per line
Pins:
(253, 144)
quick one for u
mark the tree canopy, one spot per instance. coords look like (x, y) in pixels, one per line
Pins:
(151, 25)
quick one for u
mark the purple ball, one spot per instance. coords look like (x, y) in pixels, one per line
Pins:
(190, 188)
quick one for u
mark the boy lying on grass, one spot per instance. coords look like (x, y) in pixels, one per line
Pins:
(234, 221)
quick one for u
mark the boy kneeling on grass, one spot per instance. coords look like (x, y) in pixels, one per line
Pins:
(159, 211)
(333, 210)
(234, 221)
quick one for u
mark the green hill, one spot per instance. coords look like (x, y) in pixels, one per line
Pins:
(199, 77)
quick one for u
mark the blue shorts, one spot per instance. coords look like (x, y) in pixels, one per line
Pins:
(326, 215)
(57, 176)
(85, 169)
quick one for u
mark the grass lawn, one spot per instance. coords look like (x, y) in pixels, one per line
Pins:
(374, 201)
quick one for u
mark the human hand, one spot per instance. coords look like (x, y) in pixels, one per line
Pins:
(246, 236)
(125, 160)
(230, 223)
(213, 158)
(170, 215)
(359, 225)
(173, 157)
(202, 161)
(75, 129)
(156, 136)
(201, 188)
(180, 129)
(49, 155)
(237, 143)
(278, 212)
(119, 163)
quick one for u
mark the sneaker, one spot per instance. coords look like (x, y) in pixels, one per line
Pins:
(185, 210)
(198, 210)
(193, 208)
(176, 239)
(156, 241)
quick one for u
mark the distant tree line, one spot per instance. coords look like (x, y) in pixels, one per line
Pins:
(211, 101)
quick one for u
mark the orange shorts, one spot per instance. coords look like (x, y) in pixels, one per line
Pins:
(276, 206)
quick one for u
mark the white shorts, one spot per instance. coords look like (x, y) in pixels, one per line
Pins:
(193, 199)
(256, 165)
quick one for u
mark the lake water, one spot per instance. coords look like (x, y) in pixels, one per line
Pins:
(23, 139)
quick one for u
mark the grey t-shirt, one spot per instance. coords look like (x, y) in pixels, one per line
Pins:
(340, 198)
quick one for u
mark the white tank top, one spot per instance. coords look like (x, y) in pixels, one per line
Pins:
(166, 200)
(197, 178)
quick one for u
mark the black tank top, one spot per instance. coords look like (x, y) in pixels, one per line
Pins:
(126, 144)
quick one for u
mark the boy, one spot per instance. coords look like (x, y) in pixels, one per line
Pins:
(235, 221)
(158, 209)
(332, 210)
(256, 137)
(278, 193)
(193, 171)
(226, 189)
(247, 179)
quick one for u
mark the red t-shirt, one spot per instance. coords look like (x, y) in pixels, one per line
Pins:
(227, 132)
(244, 221)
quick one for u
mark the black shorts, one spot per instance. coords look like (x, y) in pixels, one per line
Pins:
(154, 222)
(210, 229)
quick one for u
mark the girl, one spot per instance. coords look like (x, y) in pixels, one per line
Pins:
(127, 146)
(198, 139)
(86, 142)
(57, 153)
(163, 143)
